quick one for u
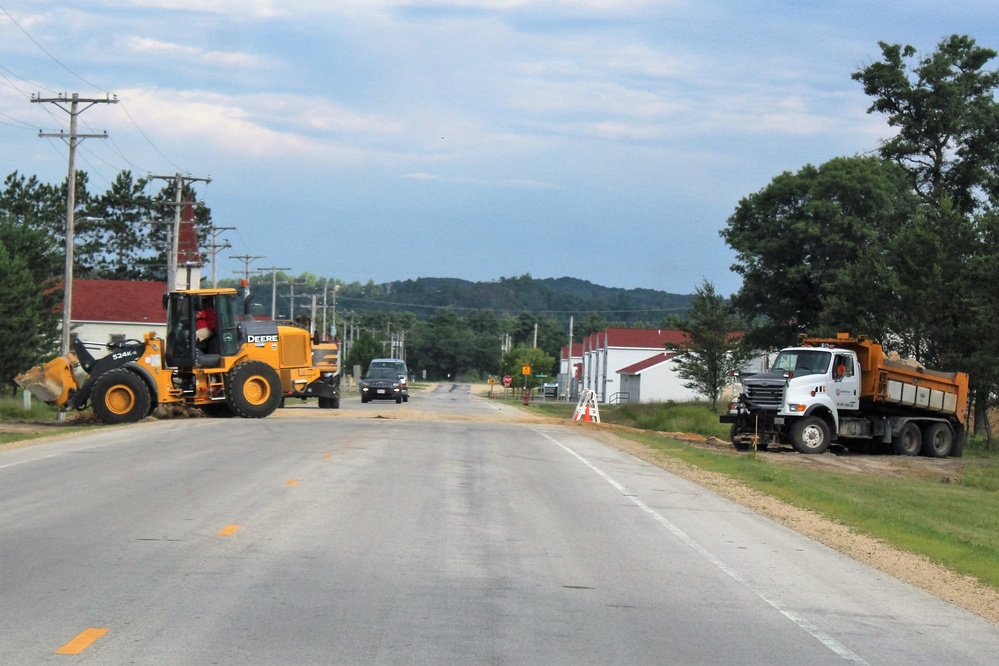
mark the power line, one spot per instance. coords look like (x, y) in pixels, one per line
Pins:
(43, 50)
(148, 140)
(214, 247)
(74, 74)
(179, 181)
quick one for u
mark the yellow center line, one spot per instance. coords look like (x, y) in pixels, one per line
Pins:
(291, 482)
(228, 530)
(84, 640)
(327, 456)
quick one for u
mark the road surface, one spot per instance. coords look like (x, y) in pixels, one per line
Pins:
(442, 531)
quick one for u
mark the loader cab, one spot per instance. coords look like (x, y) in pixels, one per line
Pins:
(214, 314)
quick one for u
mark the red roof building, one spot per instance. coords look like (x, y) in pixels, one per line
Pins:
(631, 365)
(118, 301)
(113, 310)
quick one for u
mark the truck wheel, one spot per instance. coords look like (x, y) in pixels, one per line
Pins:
(908, 441)
(735, 435)
(329, 403)
(938, 440)
(810, 435)
(253, 390)
(121, 396)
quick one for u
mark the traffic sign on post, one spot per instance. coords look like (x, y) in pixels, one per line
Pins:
(525, 370)
(507, 380)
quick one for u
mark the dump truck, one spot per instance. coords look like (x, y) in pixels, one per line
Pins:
(847, 390)
(215, 356)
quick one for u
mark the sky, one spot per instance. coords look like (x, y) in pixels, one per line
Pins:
(605, 140)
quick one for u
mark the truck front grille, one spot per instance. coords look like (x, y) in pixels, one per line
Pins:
(766, 394)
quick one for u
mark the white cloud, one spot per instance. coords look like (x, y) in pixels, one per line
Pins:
(246, 9)
(230, 59)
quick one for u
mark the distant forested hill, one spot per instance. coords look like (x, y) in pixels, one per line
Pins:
(559, 298)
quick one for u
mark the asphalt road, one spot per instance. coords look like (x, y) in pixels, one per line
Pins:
(458, 536)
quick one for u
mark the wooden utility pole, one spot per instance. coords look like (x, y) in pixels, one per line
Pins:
(274, 270)
(215, 247)
(71, 105)
(246, 259)
(178, 203)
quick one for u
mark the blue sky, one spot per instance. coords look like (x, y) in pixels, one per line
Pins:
(607, 140)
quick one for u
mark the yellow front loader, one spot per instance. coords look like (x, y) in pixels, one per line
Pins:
(214, 356)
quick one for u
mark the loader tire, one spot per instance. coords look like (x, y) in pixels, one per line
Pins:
(121, 396)
(253, 390)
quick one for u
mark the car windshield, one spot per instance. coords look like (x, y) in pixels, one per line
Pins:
(381, 373)
(803, 361)
(387, 365)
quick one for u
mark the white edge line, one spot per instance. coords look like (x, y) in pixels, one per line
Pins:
(776, 604)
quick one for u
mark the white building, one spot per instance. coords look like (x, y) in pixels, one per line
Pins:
(629, 365)
(655, 380)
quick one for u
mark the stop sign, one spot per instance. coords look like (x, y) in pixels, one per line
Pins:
(507, 380)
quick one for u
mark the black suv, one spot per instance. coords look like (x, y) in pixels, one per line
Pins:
(399, 366)
(381, 384)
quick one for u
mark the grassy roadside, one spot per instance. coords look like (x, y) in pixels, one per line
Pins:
(952, 519)
(19, 425)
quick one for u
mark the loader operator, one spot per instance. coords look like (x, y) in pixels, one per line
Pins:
(205, 326)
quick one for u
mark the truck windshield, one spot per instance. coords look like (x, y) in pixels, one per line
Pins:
(803, 361)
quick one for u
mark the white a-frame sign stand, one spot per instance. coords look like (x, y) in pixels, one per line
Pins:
(587, 409)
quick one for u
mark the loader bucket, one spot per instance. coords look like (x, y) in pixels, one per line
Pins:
(53, 382)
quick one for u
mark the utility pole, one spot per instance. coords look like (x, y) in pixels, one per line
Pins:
(215, 247)
(71, 105)
(568, 368)
(178, 204)
(274, 270)
(246, 259)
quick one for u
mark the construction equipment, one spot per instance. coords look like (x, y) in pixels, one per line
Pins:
(848, 390)
(215, 356)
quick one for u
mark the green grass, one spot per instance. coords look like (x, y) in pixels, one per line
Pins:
(692, 417)
(954, 524)
(13, 410)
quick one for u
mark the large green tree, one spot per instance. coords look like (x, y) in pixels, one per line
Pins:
(540, 363)
(29, 297)
(713, 345)
(799, 240)
(944, 109)
(115, 235)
